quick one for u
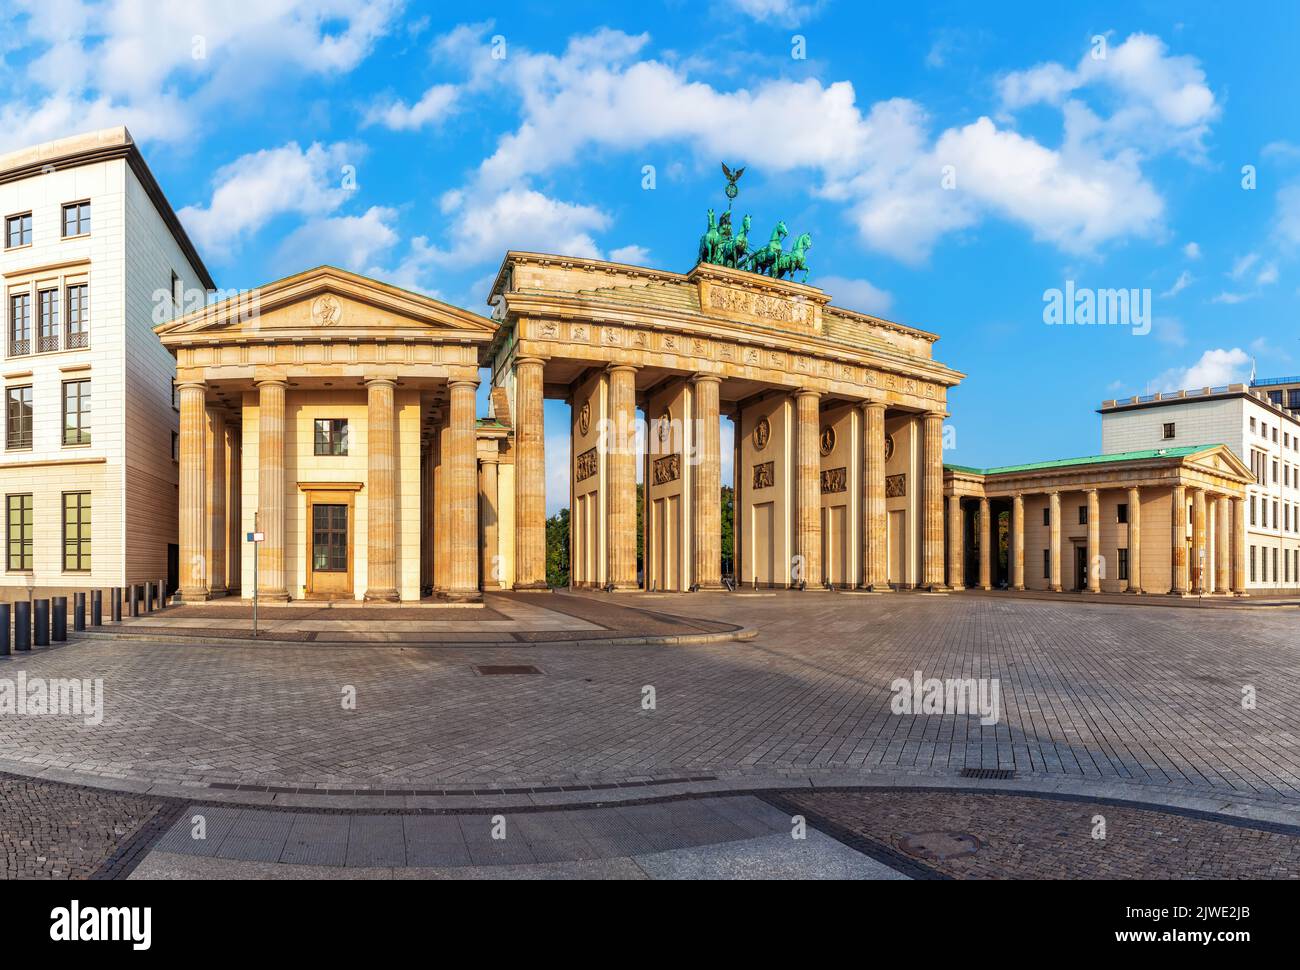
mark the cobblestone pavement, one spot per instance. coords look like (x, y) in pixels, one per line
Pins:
(53, 831)
(968, 835)
(1093, 693)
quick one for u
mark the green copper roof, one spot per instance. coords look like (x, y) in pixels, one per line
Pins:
(1150, 453)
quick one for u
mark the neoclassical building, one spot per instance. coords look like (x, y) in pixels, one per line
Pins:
(334, 417)
(1162, 520)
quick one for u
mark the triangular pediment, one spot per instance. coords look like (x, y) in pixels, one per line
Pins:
(326, 303)
(1219, 460)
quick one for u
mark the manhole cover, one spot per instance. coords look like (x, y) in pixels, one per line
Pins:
(495, 670)
(939, 845)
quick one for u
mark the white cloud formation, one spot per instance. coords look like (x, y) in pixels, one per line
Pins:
(351, 242)
(1192, 250)
(784, 12)
(437, 103)
(632, 254)
(856, 294)
(259, 186)
(883, 162)
(1184, 280)
(159, 68)
(1163, 100)
(1214, 368)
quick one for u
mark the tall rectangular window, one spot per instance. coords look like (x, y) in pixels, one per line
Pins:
(18, 417)
(1083, 515)
(76, 219)
(78, 315)
(76, 412)
(20, 324)
(1252, 564)
(18, 529)
(1121, 513)
(331, 436)
(1169, 430)
(18, 230)
(47, 310)
(1047, 563)
(1123, 564)
(76, 532)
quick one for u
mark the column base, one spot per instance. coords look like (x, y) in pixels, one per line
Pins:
(464, 596)
(879, 588)
(709, 588)
(1134, 592)
(1055, 588)
(987, 587)
(217, 592)
(382, 596)
(197, 594)
(1093, 592)
(531, 588)
(273, 595)
(622, 587)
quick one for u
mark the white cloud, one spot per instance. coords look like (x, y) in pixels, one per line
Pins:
(522, 219)
(632, 254)
(1192, 250)
(160, 68)
(1214, 369)
(351, 242)
(1287, 219)
(257, 187)
(1163, 100)
(1232, 298)
(785, 12)
(882, 163)
(436, 104)
(1243, 265)
(1184, 280)
(856, 294)
(1267, 275)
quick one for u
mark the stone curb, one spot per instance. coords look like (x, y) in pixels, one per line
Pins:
(739, 635)
(1241, 806)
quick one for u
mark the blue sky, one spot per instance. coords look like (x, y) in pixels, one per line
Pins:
(1103, 145)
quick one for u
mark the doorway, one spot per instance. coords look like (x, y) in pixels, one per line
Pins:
(1080, 568)
(329, 545)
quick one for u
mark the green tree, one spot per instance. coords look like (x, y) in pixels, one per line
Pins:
(557, 549)
(728, 529)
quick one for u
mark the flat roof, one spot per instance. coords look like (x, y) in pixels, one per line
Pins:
(104, 145)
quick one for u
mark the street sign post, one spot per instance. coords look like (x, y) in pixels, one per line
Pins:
(255, 538)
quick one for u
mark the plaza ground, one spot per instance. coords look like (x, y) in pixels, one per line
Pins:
(1129, 711)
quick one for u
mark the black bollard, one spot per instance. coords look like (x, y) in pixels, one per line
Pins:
(133, 598)
(115, 604)
(148, 597)
(41, 623)
(78, 611)
(22, 625)
(59, 619)
(4, 629)
(162, 594)
(96, 607)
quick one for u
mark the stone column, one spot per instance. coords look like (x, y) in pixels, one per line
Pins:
(193, 525)
(986, 545)
(234, 509)
(932, 495)
(1134, 541)
(530, 476)
(271, 581)
(461, 475)
(707, 526)
(807, 486)
(1223, 547)
(381, 491)
(214, 446)
(1239, 546)
(1200, 574)
(1178, 516)
(487, 485)
(1094, 541)
(1054, 542)
(875, 573)
(621, 469)
(442, 508)
(956, 544)
(1018, 541)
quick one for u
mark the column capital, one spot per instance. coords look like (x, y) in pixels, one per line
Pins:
(280, 381)
(463, 382)
(531, 359)
(706, 378)
(806, 392)
(192, 386)
(616, 367)
(377, 381)
(869, 405)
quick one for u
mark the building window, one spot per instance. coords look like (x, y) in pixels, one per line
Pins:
(47, 317)
(18, 231)
(176, 446)
(1275, 565)
(1252, 510)
(1083, 515)
(1047, 563)
(331, 436)
(1275, 471)
(1047, 516)
(1123, 563)
(18, 417)
(1121, 514)
(20, 324)
(76, 219)
(1275, 520)
(78, 315)
(1275, 433)
(1252, 564)
(1169, 430)
(1252, 425)
(76, 412)
(18, 527)
(76, 532)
